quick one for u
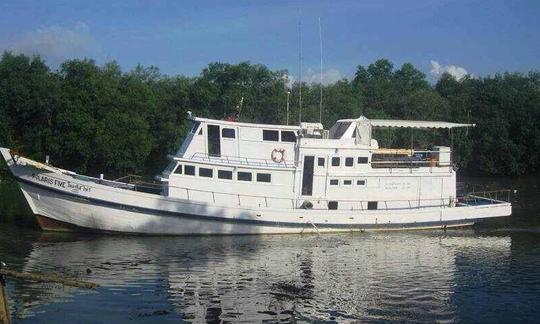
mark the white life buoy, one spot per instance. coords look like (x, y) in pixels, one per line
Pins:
(278, 155)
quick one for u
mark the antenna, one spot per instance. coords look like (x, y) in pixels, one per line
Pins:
(288, 95)
(300, 68)
(288, 92)
(321, 86)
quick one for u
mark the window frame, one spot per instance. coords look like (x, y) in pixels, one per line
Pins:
(263, 174)
(179, 166)
(362, 184)
(227, 129)
(338, 159)
(244, 172)
(270, 131)
(351, 160)
(319, 159)
(334, 184)
(189, 167)
(349, 182)
(207, 175)
(361, 159)
(373, 205)
(228, 172)
(288, 140)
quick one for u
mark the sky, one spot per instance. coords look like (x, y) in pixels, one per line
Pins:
(180, 37)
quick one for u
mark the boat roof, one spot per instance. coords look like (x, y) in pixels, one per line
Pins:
(407, 123)
(383, 123)
(416, 124)
(233, 123)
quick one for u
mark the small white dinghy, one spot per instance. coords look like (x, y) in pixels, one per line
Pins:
(239, 178)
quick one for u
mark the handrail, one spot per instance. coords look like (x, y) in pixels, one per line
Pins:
(413, 203)
(427, 161)
(129, 177)
(494, 196)
(118, 184)
(296, 202)
(238, 159)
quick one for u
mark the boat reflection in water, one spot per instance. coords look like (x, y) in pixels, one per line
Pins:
(383, 276)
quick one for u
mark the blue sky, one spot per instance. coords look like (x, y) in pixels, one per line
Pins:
(180, 37)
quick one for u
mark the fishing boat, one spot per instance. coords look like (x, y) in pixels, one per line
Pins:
(231, 177)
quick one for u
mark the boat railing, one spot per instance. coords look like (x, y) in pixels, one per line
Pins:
(486, 197)
(413, 159)
(130, 182)
(475, 198)
(240, 160)
(298, 203)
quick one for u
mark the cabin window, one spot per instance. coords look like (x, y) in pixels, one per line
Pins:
(288, 136)
(340, 129)
(347, 182)
(178, 169)
(334, 182)
(189, 170)
(362, 159)
(349, 161)
(372, 205)
(228, 133)
(207, 173)
(270, 135)
(263, 177)
(320, 161)
(335, 161)
(360, 182)
(194, 126)
(224, 174)
(244, 176)
(332, 205)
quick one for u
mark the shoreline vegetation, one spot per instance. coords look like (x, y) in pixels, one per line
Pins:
(99, 119)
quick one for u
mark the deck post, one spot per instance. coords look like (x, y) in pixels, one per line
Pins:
(4, 310)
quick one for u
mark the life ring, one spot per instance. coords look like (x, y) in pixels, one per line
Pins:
(278, 155)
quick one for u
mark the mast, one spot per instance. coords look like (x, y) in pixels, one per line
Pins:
(288, 95)
(300, 69)
(321, 85)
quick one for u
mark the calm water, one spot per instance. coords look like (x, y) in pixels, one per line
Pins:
(487, 273)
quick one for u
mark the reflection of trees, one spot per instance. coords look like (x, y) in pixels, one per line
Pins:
(256, 278)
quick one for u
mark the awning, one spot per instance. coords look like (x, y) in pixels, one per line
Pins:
(415, 124)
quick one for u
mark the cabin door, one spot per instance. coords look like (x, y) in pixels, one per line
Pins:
(229, 141)
(307, 175)
(214, 141)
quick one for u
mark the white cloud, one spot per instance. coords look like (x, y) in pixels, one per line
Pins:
(57, 43)
(456, 71)
(330, 76)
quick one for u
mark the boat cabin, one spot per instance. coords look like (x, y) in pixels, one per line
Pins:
(307, 166)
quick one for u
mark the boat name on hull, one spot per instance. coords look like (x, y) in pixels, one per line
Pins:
(74, 187)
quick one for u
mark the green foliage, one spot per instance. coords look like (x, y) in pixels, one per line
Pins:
(95, 119)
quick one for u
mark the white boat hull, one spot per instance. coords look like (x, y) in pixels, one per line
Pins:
(61, 212)
(63, 202)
